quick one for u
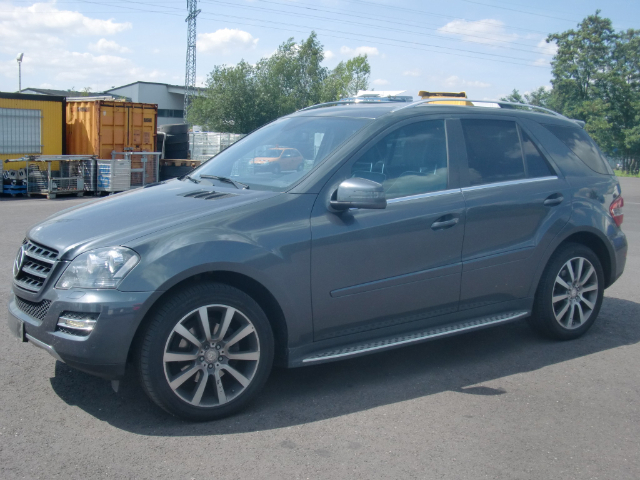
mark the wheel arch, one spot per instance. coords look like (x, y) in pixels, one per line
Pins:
(590, 238)
(256, 290)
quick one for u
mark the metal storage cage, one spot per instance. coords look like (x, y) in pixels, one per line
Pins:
(205, 145)
(144, 167)
(89, 174)
(41, 179)
(113, 175)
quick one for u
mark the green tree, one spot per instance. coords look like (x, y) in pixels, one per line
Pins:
(244, 97)
(596, 78)
(347, 79)
(540, 97)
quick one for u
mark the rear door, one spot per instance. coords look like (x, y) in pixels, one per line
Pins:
(378, 268)
(516, 202)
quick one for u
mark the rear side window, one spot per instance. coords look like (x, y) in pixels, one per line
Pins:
(493, 151)
(537, 165)
(581, 144)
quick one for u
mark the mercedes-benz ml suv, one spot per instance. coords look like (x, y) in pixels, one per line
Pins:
(408, 222)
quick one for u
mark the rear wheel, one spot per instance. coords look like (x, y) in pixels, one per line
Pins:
(206, 353)
(570, 293)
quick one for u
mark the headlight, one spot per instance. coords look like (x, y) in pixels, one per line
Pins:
(101, 268)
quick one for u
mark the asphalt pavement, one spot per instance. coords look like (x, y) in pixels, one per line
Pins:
(499, 403)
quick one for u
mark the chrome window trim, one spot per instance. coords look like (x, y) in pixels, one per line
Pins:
(424, 195)
(510, 182)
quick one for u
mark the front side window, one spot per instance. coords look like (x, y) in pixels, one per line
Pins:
(493, 151)
(263, 160)
(409, 161)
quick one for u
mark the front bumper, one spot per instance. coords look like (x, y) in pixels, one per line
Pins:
(105, 350)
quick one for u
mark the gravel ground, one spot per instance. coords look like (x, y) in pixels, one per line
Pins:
(498, 403)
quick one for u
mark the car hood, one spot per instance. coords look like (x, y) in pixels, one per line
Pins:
(118, 219)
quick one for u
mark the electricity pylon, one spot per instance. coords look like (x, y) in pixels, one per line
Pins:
(190, 70)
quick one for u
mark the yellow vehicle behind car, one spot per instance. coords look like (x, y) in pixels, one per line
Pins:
(429, 95)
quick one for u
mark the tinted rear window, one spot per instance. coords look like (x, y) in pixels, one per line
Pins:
(537, 165)
(581, 144)
(493, 150)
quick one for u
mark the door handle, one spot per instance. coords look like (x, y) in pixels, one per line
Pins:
(553, 200)
(444, 224)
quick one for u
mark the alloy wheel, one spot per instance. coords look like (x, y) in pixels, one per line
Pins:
(211, 355)
(575, 293)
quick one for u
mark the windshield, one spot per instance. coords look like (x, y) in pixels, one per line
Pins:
(280, 153)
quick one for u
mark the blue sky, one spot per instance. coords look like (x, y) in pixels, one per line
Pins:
(486, 47)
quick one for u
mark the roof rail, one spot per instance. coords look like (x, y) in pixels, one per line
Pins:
(354, 100)
(498, 102)
(327, 104)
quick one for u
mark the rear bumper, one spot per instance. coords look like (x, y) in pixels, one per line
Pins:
(105, 350)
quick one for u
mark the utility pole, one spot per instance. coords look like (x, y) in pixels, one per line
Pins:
(190, 71)
(19, 59)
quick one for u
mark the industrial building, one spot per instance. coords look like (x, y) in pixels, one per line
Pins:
(169, 98)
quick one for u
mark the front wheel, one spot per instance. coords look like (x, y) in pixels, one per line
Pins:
(206, 353)
(570, 293)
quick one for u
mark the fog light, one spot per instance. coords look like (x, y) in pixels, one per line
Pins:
(77, 321)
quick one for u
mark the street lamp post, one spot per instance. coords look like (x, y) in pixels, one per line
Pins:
(19, 59)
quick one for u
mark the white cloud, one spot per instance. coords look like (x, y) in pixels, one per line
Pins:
(548, 50)
(354, 52)
(43, 31)
(64, 69)
(380, 82)
(226, 40)
(412, 73)
(488, 31)
(328, 55)
(108, 46)
(455, 81)
(42, 24)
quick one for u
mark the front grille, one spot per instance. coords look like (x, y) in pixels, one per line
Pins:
(37, 310)
(69, 331)
(36, 266)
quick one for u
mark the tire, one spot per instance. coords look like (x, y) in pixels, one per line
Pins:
(177, 155)
(276, 168)
(169, 172)
(177, 138)
(560, 310)
(176, 151)
(174, 129)
(176, 146)
(210, 383)
(300, 167)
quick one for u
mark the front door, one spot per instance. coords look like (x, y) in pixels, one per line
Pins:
(378, 268)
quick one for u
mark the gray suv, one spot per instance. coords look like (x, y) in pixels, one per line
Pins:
(405, 223)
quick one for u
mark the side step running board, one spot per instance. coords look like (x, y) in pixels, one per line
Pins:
(392, 342)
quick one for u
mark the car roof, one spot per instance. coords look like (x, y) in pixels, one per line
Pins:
(400, 109)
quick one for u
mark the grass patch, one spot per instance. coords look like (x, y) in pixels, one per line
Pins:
(620, 173)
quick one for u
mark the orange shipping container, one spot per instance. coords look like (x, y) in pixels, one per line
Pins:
(97, 127)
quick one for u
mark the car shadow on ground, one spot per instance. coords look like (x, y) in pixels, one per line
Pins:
(293, 397)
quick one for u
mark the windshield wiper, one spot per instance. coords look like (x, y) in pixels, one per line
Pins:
(188, 177)
(238, 185)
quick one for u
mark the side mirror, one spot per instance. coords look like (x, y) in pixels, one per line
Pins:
(358, 193)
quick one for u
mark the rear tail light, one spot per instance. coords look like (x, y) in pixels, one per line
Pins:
(616, 210)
